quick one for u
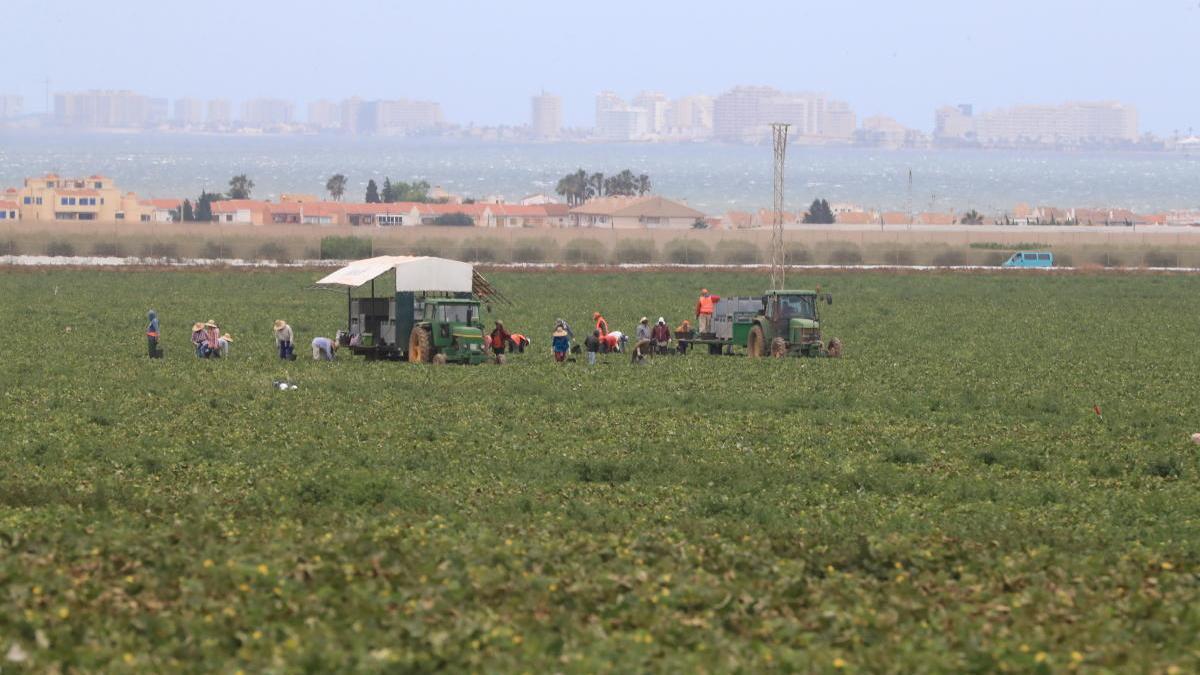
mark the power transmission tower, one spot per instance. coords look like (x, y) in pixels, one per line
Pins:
(779, 133)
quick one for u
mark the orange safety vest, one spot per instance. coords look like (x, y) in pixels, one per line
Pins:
(705, 305)
(602, 326)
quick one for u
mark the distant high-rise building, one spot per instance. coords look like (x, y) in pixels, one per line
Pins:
(105, 109)
(655, 105)
(267, 112)
(618, 121)
(691, 115)
(953, 123)
(324, 114)
(189, 112)
(11, 106)
(545, 120)
(157, 110)
(746, 113)
(396, 117)
(220, 113)
(1071, 123)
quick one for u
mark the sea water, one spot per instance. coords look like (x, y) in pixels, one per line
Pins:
(712, 177)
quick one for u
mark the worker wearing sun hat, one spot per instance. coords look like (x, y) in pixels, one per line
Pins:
(224, 342)
(661, 335)
(283, 339)
(198, 338)
(643, 329)
(212, 339)
(560, 343)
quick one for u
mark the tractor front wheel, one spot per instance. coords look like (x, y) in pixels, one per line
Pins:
(420, 346)
(754, 343)
(778, 348)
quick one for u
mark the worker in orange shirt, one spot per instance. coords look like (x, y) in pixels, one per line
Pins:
(601, 324)
(704, 311)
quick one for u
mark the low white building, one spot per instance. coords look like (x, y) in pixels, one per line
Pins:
(634, 212)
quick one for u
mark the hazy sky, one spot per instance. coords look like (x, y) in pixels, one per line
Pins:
(482, 60)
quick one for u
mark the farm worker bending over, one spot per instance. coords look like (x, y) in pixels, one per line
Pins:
(498, 339)
(643, 329)
(152, 334)
(324, 349)
(704, 310)
(283, 339)
(592, 344)
(661, 335)
(198, 339)
(601, 324)
(560, 342)
(224, 341)
(614, 341)
(519, 342)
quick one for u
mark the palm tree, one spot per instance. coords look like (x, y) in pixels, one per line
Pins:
(240, 187)
(595, 185)
(972, 217)
(643, 184)
(336, 185)
(573, 186)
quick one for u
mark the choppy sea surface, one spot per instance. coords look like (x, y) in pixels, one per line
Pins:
(712, 177)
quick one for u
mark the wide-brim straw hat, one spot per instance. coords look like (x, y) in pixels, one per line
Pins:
(197, 326)
(560, 332)
(210, 324)
(279, 324)
(643, 320)
(227, 337)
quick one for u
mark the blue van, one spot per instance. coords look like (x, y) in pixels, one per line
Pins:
(1030, 259)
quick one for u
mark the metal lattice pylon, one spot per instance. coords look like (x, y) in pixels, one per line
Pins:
(779, 134)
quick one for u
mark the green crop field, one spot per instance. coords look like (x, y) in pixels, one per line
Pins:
(943, 499)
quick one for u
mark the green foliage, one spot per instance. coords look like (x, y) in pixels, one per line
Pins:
(584, 251)
(240, 187)
(580, 186)
(456, 219)
(438, 247)
(533, 251)
(271, 250)
(187, 214)
(161, 249)
(936, 501)
(336, 186)
(216, 250)
(1019, 246)
(951, 257)
(634, 251)
(345, 248)
(846, 254)
(60, 248)
(110, 249)
(372, 196)
(971, 217)
(479, 249)
(738, 252)
(795, 253)
(417, 191)
(1160, 258)
(820, 213)
(204, 206)
(686, 252)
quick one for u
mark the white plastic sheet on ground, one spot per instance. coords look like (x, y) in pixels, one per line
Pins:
(413, 273)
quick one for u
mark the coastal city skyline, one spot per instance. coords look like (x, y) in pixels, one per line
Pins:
(741, 115)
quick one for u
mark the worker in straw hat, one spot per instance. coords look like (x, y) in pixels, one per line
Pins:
(212, 339)
(224, 341)
(560, 342)
(283, 340)
(198, 338)
(643, 329)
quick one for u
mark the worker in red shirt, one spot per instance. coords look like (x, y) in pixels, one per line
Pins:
(704, 311)
(498, 340)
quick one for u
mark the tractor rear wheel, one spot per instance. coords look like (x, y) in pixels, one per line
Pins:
(778, 348)
(420, 346)
(754, 343)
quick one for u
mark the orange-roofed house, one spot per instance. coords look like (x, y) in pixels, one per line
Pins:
(240, 211)
(162, 210)
(895, 218)
(855, 218)
(937, 218)
(634, 212)
(738, 220)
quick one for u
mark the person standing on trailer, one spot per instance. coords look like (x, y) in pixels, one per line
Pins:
(704, 311)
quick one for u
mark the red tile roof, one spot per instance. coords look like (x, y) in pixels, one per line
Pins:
(231, 205)
(164, 204)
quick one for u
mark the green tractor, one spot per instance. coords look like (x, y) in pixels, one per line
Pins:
(788, 325)
(777, 323)
(451, 331)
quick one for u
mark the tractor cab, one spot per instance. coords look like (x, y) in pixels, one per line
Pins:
(790, 323)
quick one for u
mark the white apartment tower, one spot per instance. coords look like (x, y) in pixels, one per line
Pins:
(546, 116)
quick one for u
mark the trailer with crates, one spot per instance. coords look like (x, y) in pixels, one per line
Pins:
(435, 314)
